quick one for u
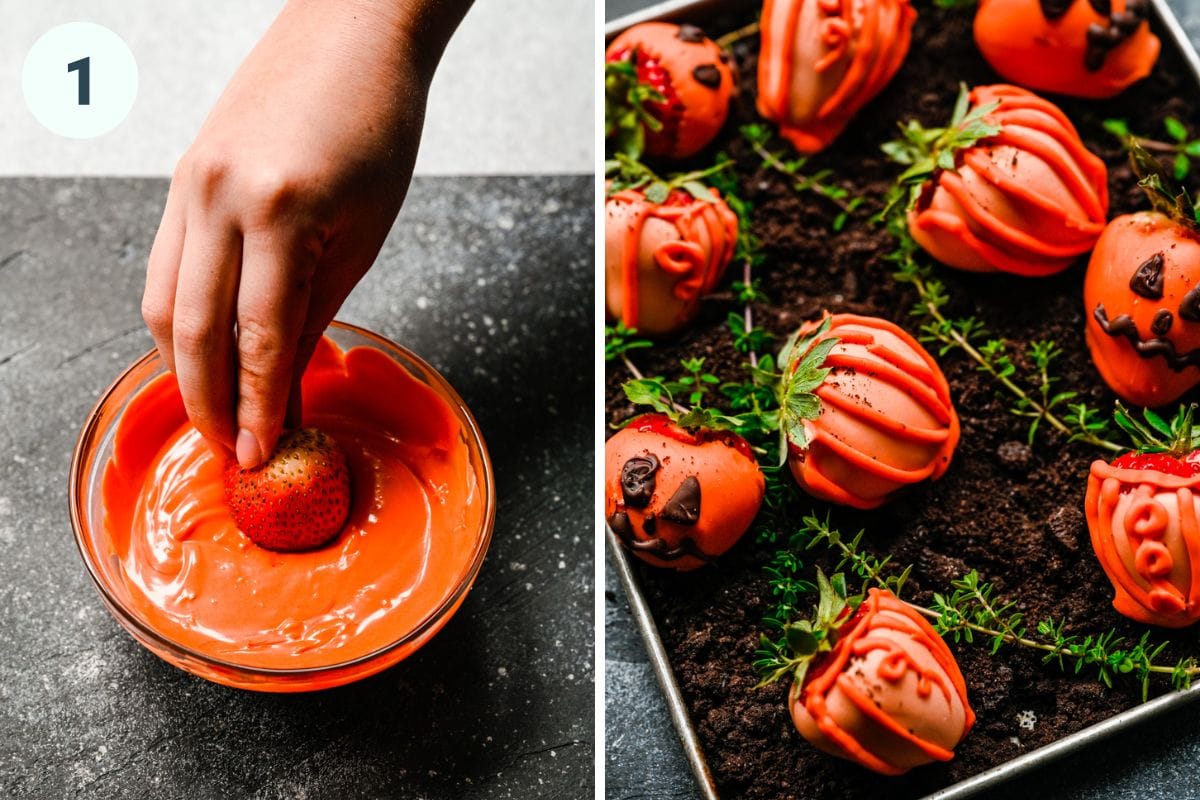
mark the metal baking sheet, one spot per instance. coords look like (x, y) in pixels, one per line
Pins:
(699, 11)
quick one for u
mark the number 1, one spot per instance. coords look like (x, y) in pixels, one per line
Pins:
(84, 67)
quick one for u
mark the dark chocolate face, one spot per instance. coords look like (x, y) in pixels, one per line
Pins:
(1123, 325)
(683, 508)
(1102, 38)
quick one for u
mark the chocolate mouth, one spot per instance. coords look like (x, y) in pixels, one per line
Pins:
(1123, 325)
(656, 546)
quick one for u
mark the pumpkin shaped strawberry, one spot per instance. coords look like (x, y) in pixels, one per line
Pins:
(867, 411)
(823, 60)
(679, 497)
(1143, 514)
(665, 247)
(1008, 186)
(1141, 295)
(1082, 48)
(874, 685)
(666, 89)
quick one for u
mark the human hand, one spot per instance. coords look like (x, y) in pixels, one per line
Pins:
(282, 203)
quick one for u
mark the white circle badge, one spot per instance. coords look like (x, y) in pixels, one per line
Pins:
(80, 80)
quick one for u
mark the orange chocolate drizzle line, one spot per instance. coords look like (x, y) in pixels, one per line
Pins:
(1146, 523)
(914, 377)
(684, 256)
(1000, 243)
(865, 75)
(856, 643)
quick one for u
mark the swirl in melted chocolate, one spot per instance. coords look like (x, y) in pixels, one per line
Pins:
(637, 480)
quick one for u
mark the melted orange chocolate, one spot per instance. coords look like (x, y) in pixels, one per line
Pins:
(186, 570)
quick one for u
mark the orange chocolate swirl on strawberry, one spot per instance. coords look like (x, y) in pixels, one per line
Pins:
(823, 60)
(883, 690)
(667, 90)
(1143, 514)
(1082, 48)
(662, 257)
(1024, 197)
(679, 497)
(879, 418)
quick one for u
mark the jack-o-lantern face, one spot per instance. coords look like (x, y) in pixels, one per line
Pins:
(1083, 48)
(679, 498)
(823, 60)
(1143, 513)
(691, 74)
(660, 259)
(1142, 300)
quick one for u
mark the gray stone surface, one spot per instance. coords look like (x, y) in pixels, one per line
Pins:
(491, 281)
(643, 758)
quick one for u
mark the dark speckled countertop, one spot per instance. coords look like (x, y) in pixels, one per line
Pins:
(490, 280)
(643, 758)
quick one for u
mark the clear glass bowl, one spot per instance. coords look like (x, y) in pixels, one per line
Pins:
(92, 454)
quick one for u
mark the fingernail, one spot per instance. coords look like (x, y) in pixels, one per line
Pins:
(249, 455)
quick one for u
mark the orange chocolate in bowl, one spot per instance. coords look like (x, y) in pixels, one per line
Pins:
(823, 60)
(1029, 199)
(175, 558)
(679, 497)
(661, 258)
(689, 78)
(1082, 48)
(888, 695)
(877, 411)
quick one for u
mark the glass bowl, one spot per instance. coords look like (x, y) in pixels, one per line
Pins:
(93, 452)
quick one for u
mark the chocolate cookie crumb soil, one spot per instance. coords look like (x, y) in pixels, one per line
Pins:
(1012, 513)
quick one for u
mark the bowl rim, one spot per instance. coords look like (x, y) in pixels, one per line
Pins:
(434, 618)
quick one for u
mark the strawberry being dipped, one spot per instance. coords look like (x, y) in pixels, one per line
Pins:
(1143, 514)
(1083, 48)
(867, 411)
(298, 499)
(666, 245)
(823, 60)
(874, 685)
(666, 90)
(1141, 294)
(679, 497)
(1008, 186)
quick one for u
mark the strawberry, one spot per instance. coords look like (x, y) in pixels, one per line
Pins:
(666, 90)
(298, 499)
(1161, 462)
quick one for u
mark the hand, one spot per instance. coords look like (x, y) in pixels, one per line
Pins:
(282, 203)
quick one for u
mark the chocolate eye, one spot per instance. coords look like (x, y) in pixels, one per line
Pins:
(1189, 307)
(637, 480)
(1147, 279)
(707, 75)
(1162, 322)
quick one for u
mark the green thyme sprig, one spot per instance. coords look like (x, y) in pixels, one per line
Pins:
(620, 340)
(759, 138)
(1036, 392)
(1181, 147)
(973, 612)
